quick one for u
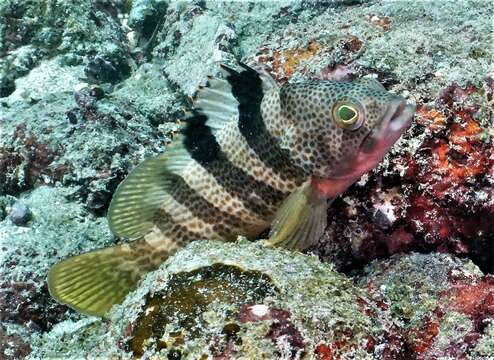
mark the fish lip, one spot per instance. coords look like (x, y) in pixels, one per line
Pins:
(396, 121)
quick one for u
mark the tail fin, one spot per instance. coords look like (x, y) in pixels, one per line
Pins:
(95, 281)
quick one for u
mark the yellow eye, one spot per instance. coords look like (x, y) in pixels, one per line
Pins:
(347, 116)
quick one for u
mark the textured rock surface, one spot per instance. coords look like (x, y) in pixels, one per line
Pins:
(442, 306)
(267, 319)
(240, 299)
(90, 88)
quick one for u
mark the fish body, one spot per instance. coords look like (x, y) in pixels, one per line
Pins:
(252, 155)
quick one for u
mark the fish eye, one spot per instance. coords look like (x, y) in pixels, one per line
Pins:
(347, 116)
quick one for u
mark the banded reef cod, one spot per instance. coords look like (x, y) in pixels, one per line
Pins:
(251, 155)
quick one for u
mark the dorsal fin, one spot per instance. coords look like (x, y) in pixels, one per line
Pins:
(216, 100)
(248, 73)
(138, 198)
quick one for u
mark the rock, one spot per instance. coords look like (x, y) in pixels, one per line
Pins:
(242, 299)
(91, 88)
(214, 299)
(144, 18)
(13, 346)
(442, 305)
(108, 66)
(61, 227)
(19, 214)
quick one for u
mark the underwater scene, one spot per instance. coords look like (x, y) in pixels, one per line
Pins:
(247, 179)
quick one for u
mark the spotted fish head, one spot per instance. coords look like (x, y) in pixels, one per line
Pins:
(340, 130)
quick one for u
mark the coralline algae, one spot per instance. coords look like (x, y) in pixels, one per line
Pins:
(263, 299)
(91, 88)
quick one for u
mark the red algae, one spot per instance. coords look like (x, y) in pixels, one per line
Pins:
(475, 300)
(323, 352)
(336, 350)
(22, 168)
(424, 337)
(281, 327)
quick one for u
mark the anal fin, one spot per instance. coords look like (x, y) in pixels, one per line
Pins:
(95, 281)
(300, 221)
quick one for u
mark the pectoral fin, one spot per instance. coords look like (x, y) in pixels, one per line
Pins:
(300, 221)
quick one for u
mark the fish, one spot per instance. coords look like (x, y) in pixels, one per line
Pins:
(252, 155)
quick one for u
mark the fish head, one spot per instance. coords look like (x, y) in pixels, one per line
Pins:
(341, 130)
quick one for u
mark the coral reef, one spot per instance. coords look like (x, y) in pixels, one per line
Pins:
(217, 299)
(226, 300)
(442, 306)
(88, 89)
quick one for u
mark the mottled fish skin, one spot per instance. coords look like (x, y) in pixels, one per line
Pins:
(278, 141)
(246, 173)
(251, 153)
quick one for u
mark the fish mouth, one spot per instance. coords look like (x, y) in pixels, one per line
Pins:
(395, 122)
(379, 141)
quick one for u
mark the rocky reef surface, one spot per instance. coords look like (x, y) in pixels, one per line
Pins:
(88, 89)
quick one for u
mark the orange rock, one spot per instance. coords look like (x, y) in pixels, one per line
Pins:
(323, 352)
(290, 59)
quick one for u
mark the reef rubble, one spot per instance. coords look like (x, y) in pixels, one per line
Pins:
(88, 89)
(242, 300)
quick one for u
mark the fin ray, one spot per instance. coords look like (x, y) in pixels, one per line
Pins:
(138, 197)
(300, 221)
(110, 274)
(217, 103)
